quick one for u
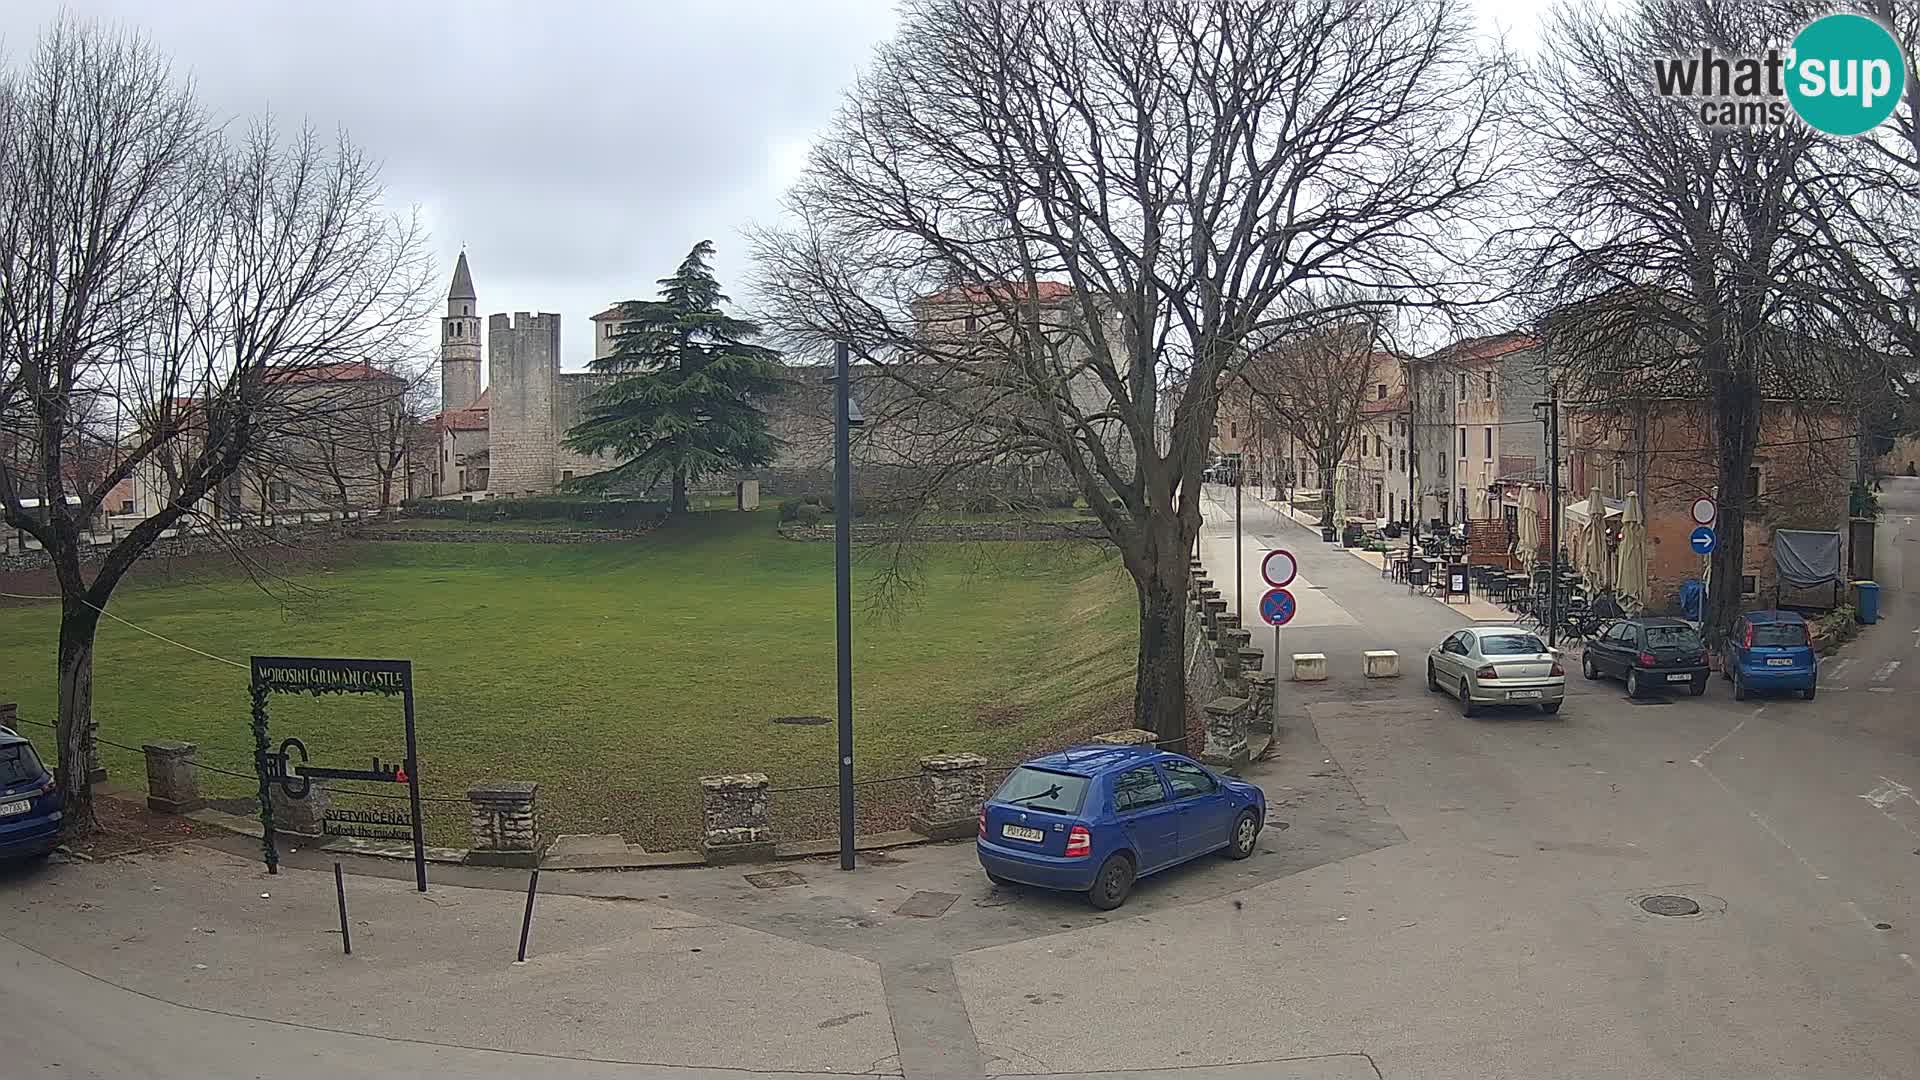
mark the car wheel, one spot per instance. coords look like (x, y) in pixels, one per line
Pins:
(1467, 707)
(1246, 830)
(1699, 686)
(1808, 693)
(1005, 883)
(1550, 708)
(1587, 668)
(1739, 687)
(1633, 683)
(1112, 884)
(1432, 682)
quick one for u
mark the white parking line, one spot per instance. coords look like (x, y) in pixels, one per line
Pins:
(1834, 667)
(1886, 669)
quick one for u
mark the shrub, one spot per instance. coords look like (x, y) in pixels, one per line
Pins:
(790, 509)
(981, 503)
(807, 513)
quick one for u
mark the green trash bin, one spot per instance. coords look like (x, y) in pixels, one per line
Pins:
(1866, 601)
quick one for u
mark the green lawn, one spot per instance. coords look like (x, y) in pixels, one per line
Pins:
(617, 674)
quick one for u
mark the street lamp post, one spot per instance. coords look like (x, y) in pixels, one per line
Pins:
(845, 416)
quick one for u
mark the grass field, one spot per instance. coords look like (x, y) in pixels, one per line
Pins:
(615, 675)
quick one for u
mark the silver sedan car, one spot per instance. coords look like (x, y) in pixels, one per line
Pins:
(1497, 665)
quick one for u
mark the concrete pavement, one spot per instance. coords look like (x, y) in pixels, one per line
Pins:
(1449, 898)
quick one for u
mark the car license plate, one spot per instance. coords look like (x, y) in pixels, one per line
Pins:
(1017, 832)
(1679, 678)
(1779, 661)
(18, 806)
(1523, 695)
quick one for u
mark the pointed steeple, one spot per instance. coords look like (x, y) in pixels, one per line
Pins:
(462, 281)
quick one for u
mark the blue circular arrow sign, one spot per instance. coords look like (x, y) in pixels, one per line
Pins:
(1277, 607)
(1702, 540)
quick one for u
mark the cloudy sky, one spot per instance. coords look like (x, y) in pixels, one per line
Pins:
(575, 148)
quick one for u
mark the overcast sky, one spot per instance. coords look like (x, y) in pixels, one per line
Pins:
(575, 148)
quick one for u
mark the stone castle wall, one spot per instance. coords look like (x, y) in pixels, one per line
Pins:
(523, 358)
(570, 392)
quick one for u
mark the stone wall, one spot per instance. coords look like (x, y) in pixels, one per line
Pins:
(502, 536)
(523, 355)
(199, 543)
(958, 532)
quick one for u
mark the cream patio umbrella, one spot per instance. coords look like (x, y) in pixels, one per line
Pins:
(1631, 580)
(1594, 562)
(1527, 547)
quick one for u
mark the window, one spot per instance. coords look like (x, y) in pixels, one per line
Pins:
(1463, 441)
(126, 506)
(1673, 637)
(19, 765)
(566, 475)
(1749, 584)
(973, 323)
(1376, 446)
(1511, 645)
(1233, 428)
(1489, 434)
(1457, 645)
(445, 454)
(1038, 789)
(277, 492)
(1489, 386)
(1779, 635)
(1460, 393)
(1188, 780)
(1379, 391)
(1755, 484)
(1137, 788)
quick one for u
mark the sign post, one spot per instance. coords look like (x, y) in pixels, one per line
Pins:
(1278, 607)
(1703, 540)
(316, 676)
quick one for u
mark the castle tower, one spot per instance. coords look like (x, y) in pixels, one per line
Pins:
(460, 342)
(522, 362)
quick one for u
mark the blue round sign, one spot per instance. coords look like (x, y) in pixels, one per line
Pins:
(1277, 607)
(1702, 540)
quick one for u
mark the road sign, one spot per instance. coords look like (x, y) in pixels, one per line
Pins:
(1702, 540)
(1705, 511)
(1277, 607)
(1279, 568)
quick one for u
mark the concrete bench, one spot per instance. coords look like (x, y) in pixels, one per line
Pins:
(1382, 664)
(1309, 667)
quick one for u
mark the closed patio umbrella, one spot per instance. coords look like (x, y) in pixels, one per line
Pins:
(1632, 577)
(1594, 562)
(1528, 547)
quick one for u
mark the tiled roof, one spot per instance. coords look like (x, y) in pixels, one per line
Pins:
(344, 371)
(1043, 291)
(1492, 346)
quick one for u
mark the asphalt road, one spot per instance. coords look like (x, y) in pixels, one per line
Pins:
(1450, 898)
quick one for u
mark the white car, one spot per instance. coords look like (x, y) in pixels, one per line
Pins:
(1497, 665)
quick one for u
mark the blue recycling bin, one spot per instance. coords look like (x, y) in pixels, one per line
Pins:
(1867, 601)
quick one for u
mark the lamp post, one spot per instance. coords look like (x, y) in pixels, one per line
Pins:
(845, 416)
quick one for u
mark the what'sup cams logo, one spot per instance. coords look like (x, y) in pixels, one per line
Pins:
(1844, 75)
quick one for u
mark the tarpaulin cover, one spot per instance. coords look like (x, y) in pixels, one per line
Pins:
(1806, 559)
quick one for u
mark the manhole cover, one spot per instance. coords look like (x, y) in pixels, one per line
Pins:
(808, 721)
(1670, 905)
(775, 879)
(927, 905)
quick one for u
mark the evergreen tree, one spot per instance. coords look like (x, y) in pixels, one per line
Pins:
(683, 401)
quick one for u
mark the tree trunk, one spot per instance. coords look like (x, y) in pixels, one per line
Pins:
(1737, 425)
(1160, 673)
(678, 503)
(75, 674)
(1329, 489)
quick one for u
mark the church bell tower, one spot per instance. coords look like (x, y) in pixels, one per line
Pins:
(460, 342)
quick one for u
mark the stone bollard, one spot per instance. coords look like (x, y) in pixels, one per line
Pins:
(1229, 621)
(1229, 661)
(1251, 659)
(1382, 663)
(1214, 606)
(1226, 744)
(299, 817)
(952, 789)
(1126, 737)
(734, 815)
(173, 782)
(506, 828)
(1309, 667)
(1231, 642)
(1260, 703)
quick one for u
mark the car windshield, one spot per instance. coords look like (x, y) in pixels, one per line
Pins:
(18, 765)
(1779, 634)
(1672, 637)
(1038, 789)
(1511, 645)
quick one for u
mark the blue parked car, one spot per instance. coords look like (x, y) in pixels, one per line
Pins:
(29, 801)
(1770, 650)
(1094, 819)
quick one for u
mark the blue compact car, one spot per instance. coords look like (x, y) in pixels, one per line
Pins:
(1770, 650)
(1095, 819)
(29, 801)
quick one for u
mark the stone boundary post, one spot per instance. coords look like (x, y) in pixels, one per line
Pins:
(506, 827)
(1126, 737)
(734, 818)
(173, 783)
(1226, 745)
(952, 789)
(300, 817)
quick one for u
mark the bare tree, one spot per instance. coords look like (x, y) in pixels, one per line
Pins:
(183, 288)
(1036, 216)
(1667, 252)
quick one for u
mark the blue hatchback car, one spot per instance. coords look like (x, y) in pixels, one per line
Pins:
(1095, 819)
(29, 801)
(1770, 650)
